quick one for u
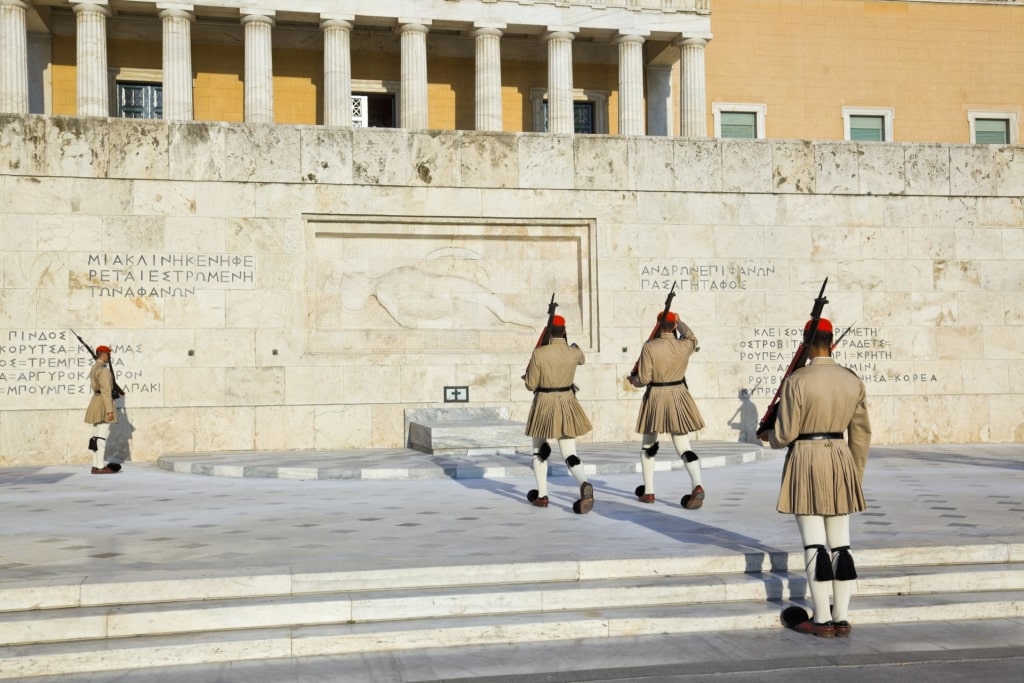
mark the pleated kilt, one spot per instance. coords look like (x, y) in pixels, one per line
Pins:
(820, 479)
(668, 410)
(554, 415)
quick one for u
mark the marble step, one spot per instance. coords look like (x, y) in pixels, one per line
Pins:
(199, 614)
(85, 591)
(112, 654)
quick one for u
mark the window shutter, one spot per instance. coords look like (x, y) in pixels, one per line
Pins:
(992, 131)
(867, 128)
(739, 124)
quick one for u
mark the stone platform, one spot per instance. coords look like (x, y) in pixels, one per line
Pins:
(465, 431)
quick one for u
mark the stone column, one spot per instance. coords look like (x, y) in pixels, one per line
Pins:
(659, 99)
(414, 112)
(259, 68)
(488, 77)
(13, 57)
(91, 38)
(693, 115)
(177, 61)
(631, 84)
(337, 71)
(560, 111)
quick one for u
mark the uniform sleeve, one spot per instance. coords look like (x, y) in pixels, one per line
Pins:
(645, 371)
(106, 381)
(859, 433)
(686, 333)
(787, 424)
(532, 378)
(580, 358)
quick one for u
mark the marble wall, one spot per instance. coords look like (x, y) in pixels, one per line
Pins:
(285, 287)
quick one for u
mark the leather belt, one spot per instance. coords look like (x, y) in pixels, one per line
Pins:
(818, 436)
(552, 390)
(667, 384)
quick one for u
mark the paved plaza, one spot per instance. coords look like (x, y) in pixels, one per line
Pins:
(62, 524)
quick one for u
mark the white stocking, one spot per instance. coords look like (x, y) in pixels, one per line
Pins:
(102, 431)
(837, 529)
(540, 468)
(682, 444)
(812, 533)
(567, 447)
(647, 463)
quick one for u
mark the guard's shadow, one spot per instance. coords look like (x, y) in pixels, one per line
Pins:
(118, 447)
(745, 419)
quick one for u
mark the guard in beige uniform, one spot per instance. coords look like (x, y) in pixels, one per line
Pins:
(100, 413)
(821, 479)
(556, 414)
(667, 406)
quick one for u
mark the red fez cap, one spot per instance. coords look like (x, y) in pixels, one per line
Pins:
(102, 349)
(671, 317)
(558, 321)
(824, 325)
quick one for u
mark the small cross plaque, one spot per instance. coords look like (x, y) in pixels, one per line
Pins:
(456, 394)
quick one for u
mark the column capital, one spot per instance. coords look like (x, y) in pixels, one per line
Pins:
(96, 6)
(16, 3)
(257, 16)
(413, 25)
(698, 40)
(560, 33)
(631, 37)
(345, 21)
(169, 10)
(179, 6)
(497, 30)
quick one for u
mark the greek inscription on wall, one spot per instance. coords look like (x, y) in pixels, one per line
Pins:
(704, 276)
(52, 364)
(163, 275)
(769, 350)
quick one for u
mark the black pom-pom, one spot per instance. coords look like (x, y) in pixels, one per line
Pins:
(791, 616)
(545, 451)
(844, 569)
(114, 466)
(651, 450)
(532, 495)
(822, 563)
(639, 490)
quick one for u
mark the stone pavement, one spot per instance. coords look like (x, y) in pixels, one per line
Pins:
(62, 524)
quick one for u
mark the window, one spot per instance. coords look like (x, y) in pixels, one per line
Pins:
(868, 124)
(739, 120)
(589, 109)
(373, 111)
(993, 128)
(140, 100)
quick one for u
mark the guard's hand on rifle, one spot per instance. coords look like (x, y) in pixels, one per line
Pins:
(635, 381)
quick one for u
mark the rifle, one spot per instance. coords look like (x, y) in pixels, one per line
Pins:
(840, 337)
(799, 360)
(116, 391)
(657, 326)
(545, 334)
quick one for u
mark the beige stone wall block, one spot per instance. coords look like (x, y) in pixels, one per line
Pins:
(129, 311)
(747, 166)
(380, 156)
(793, 166)
(276, 200)
(1002, 276)
(315, 385)
(981, 308)
(194, 235)
(28, 270)
(163, 198)
(16, 309)
(954, 212)
(325, 155)
(881, 169)
(886, 243)
(883, 430)
(984, 377)
(48, 431)
(343, 426)
(462, 201)
(910, 342)
(959, 342)
(227, 428)
(76, 147)
(744, 309)
(546, 161)
(759, 209)
(836, 168)
(906, 212)
(47, 195)
(602, 163)
(511, 203)
(367, 384)
(197, 150)
(1004, 343)
(206, 309)
(138, 149)
(280, 347)
(489, 160)
(194, 387)
(597, 381)
(859, 211)
(156, 431)
(934, 243)
(888, 308)
(279, 428)
(55, 308)
(281, 271)
(27, 232)
(225, 200)
(425, 384)
(1007, 416)
(233, 348)
(98, 196)
(374, 199)
(1010, 172)
(965, 419)
(263, 153)
(911, 275)
(253, 309)
(980, 244)
(263, 236)
(932, 308)
(15, 132)
(126, 234)
(434, 157)
(810, 210)
(972, 170)
(488, 382)
(386, 424)
(841, 242)
(866, 275)
(652, 164)
(739, 242)
(956, 276)
(927, 169)
(247, 386)
(606, 416)
(1005, 212)
(698, 165)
